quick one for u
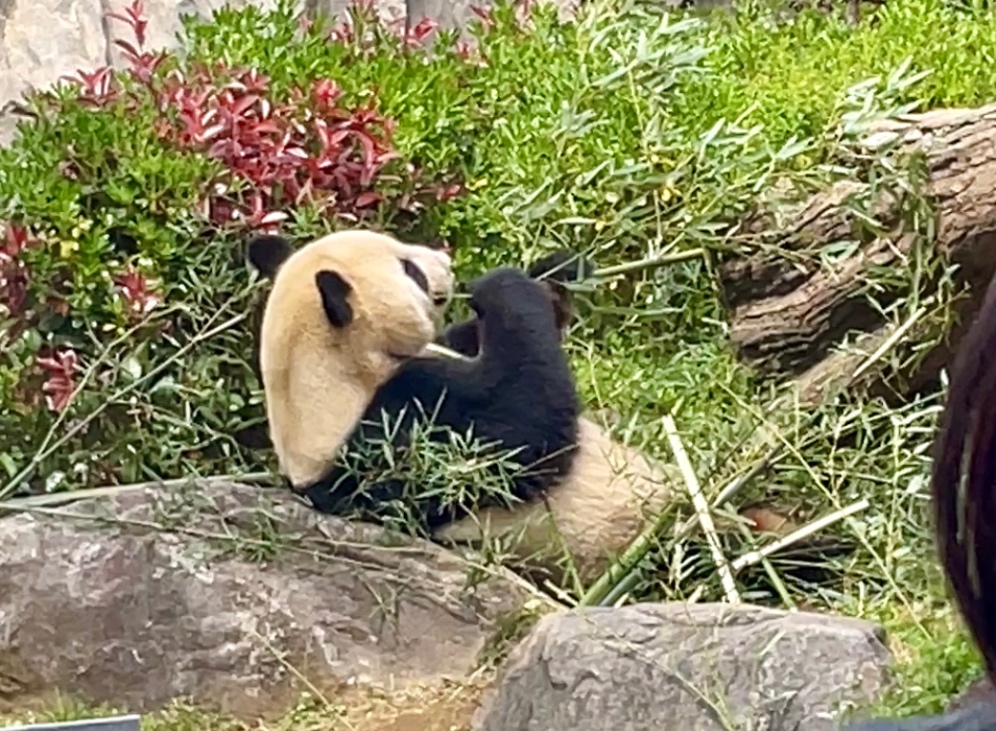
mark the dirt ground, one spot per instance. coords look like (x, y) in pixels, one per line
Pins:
(445, 707)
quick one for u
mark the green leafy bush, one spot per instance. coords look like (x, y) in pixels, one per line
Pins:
(787, 74)
(125, 297)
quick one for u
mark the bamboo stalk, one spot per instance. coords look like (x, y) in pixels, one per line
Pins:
(701, 506)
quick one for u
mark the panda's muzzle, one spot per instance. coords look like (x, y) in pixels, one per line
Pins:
(428, 351)
(401, 358)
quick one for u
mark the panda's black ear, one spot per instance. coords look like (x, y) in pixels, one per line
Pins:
(559, 268)
(267, 253)
(562, 266)
(335, 297)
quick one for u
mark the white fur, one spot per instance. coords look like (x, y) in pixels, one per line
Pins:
(595, 514)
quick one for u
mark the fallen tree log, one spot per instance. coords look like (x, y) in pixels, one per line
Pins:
(789, 311)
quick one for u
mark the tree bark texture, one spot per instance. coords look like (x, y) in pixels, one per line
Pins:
(788, 311)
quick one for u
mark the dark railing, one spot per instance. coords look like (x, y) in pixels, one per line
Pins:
(117, 723)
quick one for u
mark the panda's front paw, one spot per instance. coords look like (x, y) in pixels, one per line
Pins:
(501, 288)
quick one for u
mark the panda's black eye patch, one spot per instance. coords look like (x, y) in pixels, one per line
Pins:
(416, 274)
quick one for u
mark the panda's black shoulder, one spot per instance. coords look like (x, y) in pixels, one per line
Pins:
(413, 392)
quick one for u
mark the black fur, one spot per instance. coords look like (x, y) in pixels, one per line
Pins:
(335, 297)
(267, 253)
(555, 270)
(416, 274)
(519, 393)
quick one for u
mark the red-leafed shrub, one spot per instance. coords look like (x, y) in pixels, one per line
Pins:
(276, 154)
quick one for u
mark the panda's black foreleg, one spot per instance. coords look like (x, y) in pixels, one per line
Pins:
(519, 340)
(519, 394)
(555, 270)
(522, 391)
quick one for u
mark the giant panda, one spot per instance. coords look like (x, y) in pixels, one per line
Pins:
(327, 385)
(332, 363)
(342, 339)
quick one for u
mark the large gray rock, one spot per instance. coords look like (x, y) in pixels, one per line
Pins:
(686, 667)
(216, 593)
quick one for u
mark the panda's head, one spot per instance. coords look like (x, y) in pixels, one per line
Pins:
(343, 313)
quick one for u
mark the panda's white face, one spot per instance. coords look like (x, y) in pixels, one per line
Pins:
(396, 304)
(343, 314)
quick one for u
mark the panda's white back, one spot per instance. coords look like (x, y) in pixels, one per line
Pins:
(612, 494)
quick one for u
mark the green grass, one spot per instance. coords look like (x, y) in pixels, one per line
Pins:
(793, 74)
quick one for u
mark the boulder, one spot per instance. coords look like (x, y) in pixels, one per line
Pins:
(693, 667)
(234, 597)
